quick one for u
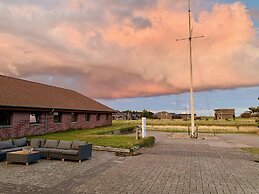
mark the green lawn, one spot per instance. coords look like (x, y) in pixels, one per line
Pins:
(102, 136)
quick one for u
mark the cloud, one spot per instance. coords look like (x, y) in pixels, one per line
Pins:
(141, 23)
(119, 49)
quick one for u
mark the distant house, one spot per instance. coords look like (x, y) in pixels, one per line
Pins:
(246, 114)
(167, 115)
(126, 116)
(30, 108)
(185, 116)
(120, 116)
(224, 114)
(135, 116)
(164, 115)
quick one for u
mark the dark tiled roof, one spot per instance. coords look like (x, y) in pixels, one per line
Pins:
(21, 93)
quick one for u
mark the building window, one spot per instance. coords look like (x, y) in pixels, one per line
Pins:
(5, 118)
(57, 117)
(35, 118)
(74, 117)
(98, 117)
(87, 117)
(107, 116)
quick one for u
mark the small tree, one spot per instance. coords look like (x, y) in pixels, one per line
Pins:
(147, 114)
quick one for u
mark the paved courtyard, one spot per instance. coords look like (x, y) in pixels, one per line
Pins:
(174, 165)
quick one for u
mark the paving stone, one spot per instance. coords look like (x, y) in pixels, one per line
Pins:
(173, 165)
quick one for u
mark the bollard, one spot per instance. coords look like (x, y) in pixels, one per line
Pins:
(144, 127)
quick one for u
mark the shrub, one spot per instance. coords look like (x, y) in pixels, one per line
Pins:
(147, 141)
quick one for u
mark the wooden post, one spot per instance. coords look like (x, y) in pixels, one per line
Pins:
(138, 132)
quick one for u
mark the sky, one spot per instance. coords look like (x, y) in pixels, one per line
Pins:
(124, 52)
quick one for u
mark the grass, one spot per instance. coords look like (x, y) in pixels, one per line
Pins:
(102, 136)
(209, 122)
(239, 125)
(251, 150)
(201, 129)
(106, 136)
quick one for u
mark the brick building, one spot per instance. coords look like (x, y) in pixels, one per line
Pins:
(224, 114)
(30, 108)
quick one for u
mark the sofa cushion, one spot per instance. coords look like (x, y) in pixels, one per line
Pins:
(65, 145)
(20, 142)
(75, 144)
(53, 150)
(6, 144)
(41, 149)
(42, 142)
(51, 144)
(35, 143)
(11, 149)
(70, 152)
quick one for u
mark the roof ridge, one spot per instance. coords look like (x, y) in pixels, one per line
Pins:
(38, 83)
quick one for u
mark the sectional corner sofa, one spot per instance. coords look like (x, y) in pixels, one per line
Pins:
(65, 150)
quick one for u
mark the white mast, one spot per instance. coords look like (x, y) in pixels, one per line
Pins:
(193, 131)
(191, 74)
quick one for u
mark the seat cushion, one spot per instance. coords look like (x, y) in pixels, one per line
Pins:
(75, 144)
(20, 142)
(41, 149)
(65, 145)
(70, 152)
(52, 150)
(11, 150)
(35, 143)
(6, 144)
(51, 144)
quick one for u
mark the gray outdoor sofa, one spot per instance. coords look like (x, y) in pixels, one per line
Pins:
(65, 150)
(11, 146)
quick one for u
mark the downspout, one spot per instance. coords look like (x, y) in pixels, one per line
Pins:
(46, 120)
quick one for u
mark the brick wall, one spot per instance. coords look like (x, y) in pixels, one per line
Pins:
(20, 124)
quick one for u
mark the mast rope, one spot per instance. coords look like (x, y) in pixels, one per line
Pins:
(196, 64)
(180, 76)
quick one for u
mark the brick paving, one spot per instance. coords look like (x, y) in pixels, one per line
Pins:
(173, 165)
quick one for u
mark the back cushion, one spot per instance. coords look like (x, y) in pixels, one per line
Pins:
(51, 144)
(65, 145)
(20, 142)
(35, 143)
(42, 142)
(6, 144)
(75, 144)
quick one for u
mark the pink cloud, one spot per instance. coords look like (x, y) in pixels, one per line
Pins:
(115, 52)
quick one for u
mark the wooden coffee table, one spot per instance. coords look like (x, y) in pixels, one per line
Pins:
(24, 156)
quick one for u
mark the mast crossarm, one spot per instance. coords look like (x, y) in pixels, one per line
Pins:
(195, 37)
